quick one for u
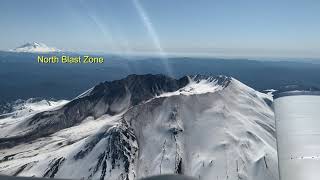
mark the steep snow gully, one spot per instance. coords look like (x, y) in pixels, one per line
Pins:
(208, 127)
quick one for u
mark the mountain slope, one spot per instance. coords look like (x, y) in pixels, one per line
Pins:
(206, 127)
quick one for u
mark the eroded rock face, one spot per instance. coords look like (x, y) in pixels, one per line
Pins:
(106, 98)
(119, 152)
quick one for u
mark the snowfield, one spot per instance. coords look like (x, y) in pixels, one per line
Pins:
(205, 127)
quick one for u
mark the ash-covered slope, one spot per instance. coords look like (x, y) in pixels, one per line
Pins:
(206, 127)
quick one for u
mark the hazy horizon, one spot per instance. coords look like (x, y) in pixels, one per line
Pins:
(208, 28)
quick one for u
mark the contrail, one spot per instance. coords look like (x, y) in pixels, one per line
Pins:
(152, 33)
(107, 34)
(102, 26)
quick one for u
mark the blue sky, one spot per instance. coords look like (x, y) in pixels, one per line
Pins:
(215, 27)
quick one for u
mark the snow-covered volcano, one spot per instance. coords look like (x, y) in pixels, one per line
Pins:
(35, 47)
(143, 125)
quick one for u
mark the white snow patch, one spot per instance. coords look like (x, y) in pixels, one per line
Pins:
(201, 87)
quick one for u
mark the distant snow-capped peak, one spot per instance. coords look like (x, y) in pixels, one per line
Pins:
(35, 47)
